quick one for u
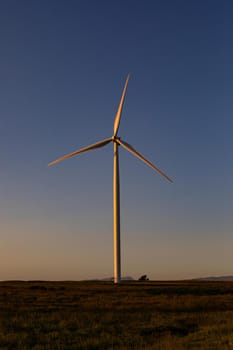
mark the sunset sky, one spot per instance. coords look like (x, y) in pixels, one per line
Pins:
(63, 65)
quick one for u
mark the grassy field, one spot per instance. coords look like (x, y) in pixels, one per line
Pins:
(99, 315)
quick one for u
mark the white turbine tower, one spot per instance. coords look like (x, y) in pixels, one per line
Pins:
(116, 185)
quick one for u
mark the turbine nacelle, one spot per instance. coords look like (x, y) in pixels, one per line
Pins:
(116, 139)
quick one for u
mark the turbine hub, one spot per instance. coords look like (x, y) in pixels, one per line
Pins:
(115, 138)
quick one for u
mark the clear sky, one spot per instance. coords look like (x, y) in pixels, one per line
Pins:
(63, 65)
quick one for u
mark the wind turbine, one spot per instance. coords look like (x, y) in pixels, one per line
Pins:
(117, 141)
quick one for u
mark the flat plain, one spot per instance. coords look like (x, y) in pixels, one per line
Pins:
(196, 315)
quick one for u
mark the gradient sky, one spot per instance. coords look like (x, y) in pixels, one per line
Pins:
(63, 65)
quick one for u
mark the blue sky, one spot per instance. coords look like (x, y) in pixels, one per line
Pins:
(63, 66)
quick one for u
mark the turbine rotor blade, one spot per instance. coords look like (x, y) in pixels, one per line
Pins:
(119, 111)
(84, 149)
(130, 149)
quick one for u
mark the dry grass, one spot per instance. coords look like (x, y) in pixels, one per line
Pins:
(99, 315)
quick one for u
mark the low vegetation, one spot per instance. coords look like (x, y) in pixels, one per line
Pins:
(99, 315)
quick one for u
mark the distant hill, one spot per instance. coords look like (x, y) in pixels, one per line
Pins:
(213, 278)
(126, 278)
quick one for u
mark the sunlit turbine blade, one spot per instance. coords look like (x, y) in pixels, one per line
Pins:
(84, 149)
(130, 149)
(118, 114)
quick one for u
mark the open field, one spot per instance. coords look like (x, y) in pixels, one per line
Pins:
(99, 315)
